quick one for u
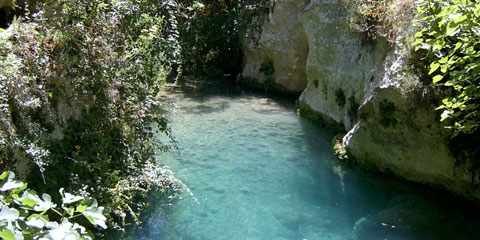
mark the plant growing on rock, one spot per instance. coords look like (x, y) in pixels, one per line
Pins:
(450, 36)
(381, 18)
(449, 41)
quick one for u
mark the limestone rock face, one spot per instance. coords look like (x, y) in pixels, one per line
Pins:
(363, 84)
(281, 42)
(342, 66)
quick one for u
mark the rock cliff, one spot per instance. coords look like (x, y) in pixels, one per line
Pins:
(282, 44)
(364, 84)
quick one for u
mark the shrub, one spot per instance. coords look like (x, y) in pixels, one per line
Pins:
(211, 32)
(77, 98)
(384, 18)
(449, 43)
(24, 214)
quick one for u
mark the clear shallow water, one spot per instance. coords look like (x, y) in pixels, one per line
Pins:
(257, 171)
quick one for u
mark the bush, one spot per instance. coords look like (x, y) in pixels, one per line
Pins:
(24, 214)
(449, 41)
(77, 98)
(211, 32)
(381, 18)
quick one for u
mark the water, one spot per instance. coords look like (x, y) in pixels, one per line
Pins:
(257, 171)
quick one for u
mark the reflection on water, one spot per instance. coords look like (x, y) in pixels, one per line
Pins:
(257, 171)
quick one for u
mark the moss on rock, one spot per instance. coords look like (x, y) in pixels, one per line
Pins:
(305, 111)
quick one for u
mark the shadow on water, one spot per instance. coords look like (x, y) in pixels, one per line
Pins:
(399, 209)
(259, 172)
(202, 90)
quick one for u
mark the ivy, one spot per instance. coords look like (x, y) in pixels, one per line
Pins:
(26, 215)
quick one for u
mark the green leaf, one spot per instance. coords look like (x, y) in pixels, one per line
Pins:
(450, 83)
(94, 214)
(19, 190)
(11, 183)
(7, 235)
(468, 126)
(81, 208)
(9, 214)
(4, 175)
(455, 133)
(45, 204)
(36, 222)
(27, 201)
(68, 198)
(437, 78)
(445, 115)
(433, 67)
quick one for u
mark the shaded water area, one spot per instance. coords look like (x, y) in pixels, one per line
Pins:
(257, 171)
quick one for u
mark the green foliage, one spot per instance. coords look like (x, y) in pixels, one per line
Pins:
(451, 36)
(26, 215)
(305, 111)
(211, 32)
(384, 18)
(339, 149)
(77, 98)
(267, 68)
(449, 46)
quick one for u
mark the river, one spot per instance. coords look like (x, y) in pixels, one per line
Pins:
(255, 170)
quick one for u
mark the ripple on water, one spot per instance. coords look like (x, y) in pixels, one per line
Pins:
(259, 172)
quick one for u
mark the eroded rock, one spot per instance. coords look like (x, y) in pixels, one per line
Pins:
(280, 52)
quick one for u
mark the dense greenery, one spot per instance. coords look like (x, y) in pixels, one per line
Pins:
(24, 215)
(78, 86)
(451, 36)
(77, 98)
(211, 32)
(450, 43)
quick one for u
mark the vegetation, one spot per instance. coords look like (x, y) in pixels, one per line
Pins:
(78, 86)
(77, 99)
(24, 214)
(211, 33)
(381, 18)
(449, 41)
(267, 68)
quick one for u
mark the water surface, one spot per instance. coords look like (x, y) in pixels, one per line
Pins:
(257, 171)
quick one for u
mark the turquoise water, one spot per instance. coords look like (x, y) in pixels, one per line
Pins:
(257, 171)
